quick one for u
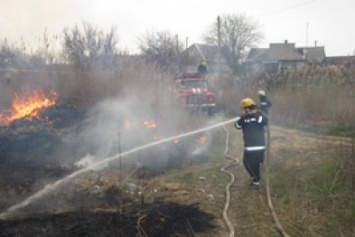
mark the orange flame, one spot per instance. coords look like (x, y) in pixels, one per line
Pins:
(127, 124)
(201, 140)
(28, 108)
(150, 124)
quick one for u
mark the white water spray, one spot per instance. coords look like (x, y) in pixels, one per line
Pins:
(50, 187)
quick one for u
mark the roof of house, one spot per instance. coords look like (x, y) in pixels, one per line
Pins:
(287, 52)
(313, 54)
(207, 51)
(254, 53)
(202, 52)
(281, 52)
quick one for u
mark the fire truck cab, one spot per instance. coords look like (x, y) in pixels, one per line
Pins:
(193, 91)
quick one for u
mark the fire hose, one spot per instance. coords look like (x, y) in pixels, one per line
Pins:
(268, 193)
(227, 189)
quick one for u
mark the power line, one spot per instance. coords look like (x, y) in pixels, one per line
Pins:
(288, 8)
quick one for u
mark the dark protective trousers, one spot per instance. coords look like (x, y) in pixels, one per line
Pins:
(252, 161)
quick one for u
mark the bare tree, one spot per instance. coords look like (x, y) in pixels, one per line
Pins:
(14, 56)
(235, 34)
(161, 48)
(90, 47)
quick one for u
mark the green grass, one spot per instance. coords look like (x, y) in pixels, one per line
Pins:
(321, 196)
(340, 130)
(194, 174)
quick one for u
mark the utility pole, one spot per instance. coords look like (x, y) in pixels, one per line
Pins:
(219, 43)
(177, 54)
(307, 34)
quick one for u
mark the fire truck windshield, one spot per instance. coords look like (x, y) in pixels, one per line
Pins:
(194, 84)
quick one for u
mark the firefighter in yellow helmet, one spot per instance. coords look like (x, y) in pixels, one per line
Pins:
(252, 122)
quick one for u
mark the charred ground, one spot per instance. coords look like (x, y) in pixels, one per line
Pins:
(116, 200)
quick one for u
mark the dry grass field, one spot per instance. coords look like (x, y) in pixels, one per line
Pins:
(311, 163)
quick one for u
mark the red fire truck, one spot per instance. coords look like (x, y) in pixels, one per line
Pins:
(193, 91)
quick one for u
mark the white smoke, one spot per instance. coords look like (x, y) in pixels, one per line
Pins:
(86, 161)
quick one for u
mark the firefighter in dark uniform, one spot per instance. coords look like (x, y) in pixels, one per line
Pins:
(252, 122)
(202, 68)
(264, 102)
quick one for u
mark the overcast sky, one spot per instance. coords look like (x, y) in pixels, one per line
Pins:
(303, 22)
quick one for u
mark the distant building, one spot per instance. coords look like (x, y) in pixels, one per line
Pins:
(192, 57)
(341, 60)
(284, 56)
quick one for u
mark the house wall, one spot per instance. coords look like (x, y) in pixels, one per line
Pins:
(275, 66)
(291, 65)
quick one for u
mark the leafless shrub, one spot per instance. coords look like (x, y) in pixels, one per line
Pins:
(161, 48)
(90, 47)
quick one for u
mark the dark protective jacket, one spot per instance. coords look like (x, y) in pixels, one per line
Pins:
(202, 68)
(253, 129)
(264, 103)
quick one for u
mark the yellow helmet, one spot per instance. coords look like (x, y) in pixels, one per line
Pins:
(247, 102)
(204, 63)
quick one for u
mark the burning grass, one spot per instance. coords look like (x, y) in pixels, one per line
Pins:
(60, 135)
(28, 107)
